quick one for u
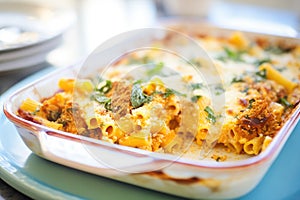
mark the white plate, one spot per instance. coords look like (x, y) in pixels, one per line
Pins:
(42, 179)
(27, 57)
(24, 24)
(46, 46)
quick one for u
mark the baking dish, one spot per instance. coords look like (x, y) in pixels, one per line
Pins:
(185, 177)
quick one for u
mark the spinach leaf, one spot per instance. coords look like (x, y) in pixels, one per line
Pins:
(251, 101)
(156, 69)
(138, 98)
(262, 61)
(284, 102)
(211, 115)
(262, 73)
(196, 86)
(100, 98)
(232, 55)
(195, 98)
(170, 92)
(104, 86)
(237, 79)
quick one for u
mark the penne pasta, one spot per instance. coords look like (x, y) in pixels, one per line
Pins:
(254, 146)
(173, 108)
(30, 105)
(274, 75)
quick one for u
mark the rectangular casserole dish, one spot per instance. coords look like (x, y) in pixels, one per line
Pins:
(189, 178)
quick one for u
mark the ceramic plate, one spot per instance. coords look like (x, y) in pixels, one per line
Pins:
(28, 57)
(28, 32)
(42, 179)
(24, 24)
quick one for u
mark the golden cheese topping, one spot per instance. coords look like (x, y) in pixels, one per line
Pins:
(172, 108)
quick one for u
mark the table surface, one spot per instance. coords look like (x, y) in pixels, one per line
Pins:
(7, 192)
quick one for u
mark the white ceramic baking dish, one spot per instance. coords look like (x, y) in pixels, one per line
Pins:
(184, 177)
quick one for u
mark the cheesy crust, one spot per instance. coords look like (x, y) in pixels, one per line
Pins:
(260, 83)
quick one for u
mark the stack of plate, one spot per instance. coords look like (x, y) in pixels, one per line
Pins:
(28, 32)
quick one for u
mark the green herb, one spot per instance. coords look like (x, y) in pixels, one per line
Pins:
(237, 79)
(139, 81)
(99, 95)
(196, 86)
(36, 111)
(251, 101)
(262, 61)
(262, 73)
(245, 90)
(100, 98)
(219, 89)
(138, 98)
(104, 86)
(276, 50)
(107, 105)
(232, 55)
(195, 98)
(53, 115)
(170, 92)
(156, 69)
(285, 102)
(211, 115)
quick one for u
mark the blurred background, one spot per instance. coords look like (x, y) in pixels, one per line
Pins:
(98, 20)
